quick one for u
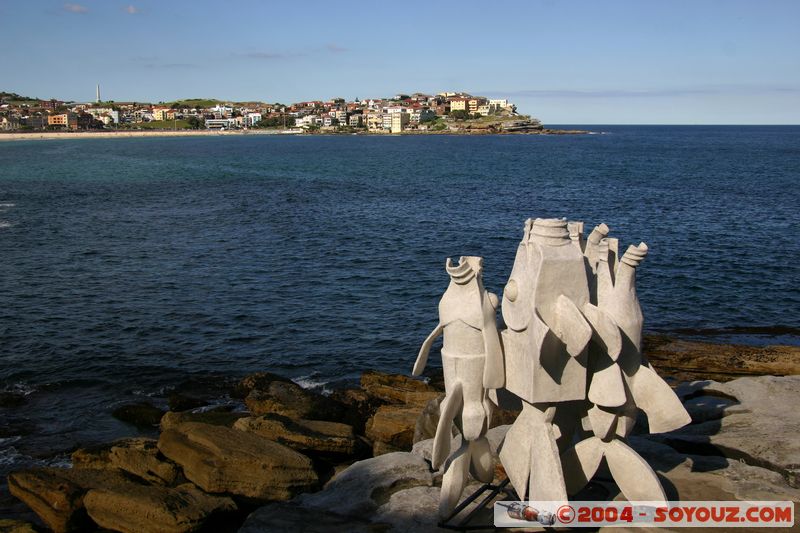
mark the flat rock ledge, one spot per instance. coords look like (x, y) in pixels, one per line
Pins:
(222, 460)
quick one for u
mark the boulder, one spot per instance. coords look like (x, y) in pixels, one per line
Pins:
(140, 414)
(366, 485)
(224, 460)
(56, 494)
(137, 456)
(288, 516)
(257, 381)
(225, 418)
(760, 430)
(291, 400)
(11, 399)
(307, 436)
(359, 407)
(397, 388)
(417, 509)
(199, 391)
(133, 508)
(427, 420)
(391, 428)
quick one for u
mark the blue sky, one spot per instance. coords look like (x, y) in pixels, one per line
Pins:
(579, 62)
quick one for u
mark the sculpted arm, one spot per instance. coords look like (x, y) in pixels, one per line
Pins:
(422, 358)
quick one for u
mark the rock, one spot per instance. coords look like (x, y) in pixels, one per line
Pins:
(695, 477)
(141, 414)
(182, 402)
(366, 485)
(428, 419)
(358, 406)
(692, 360)
(137, 456)
(761, 430)
(307, 436)
(223, 460)
(417, 509)
(397, 388)
(391, 428)
(11, 399)
(293, 401)
(284, 516)
(133, 508)
(215, 418)
(56, 494)
(199, 391)
(257, 381)
(15, 526)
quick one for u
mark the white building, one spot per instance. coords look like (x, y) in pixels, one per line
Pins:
(251, 119)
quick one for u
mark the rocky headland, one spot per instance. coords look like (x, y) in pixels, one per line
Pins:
(357, 459)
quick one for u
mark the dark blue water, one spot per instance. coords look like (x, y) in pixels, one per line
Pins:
(127, 264)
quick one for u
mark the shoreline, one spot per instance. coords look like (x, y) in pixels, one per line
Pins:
(120, 134)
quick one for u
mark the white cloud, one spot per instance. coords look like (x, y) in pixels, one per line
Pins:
(131, 10)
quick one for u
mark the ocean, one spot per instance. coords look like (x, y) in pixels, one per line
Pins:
(129, 265)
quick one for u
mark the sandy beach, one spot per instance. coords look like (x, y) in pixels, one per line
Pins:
(44, 135)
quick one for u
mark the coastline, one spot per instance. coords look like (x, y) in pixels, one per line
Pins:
(119, 134)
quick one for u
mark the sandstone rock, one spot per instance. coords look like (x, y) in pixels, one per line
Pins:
(285, 516)
(132, 508)
(56, 494)
(291, 400)
(691, 360)
(308, 436)
(761, 430)
(391, 428)
(397, 388)
(224, 460)
(215, 418)
(141, 414)
(137, 456)
(358, 406)
(257, 381)
(366, 485)
(15, 526)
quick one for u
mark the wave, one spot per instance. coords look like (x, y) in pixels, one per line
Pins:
(7, 204)
(4, 224)
(313, 382)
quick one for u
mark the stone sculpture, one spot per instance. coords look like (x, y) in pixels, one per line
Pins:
(571, 352)
(473, 364)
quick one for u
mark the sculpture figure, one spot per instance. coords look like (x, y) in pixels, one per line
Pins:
(614, 393)
(473, 364)
(573, 356)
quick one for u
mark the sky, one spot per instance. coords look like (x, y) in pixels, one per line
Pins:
(562, 61)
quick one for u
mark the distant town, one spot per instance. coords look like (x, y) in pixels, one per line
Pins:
(444, 112)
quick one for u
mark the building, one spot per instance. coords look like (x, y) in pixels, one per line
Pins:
(355, 120)
(459, 104)
(220, 123)
(163, 113)
(67, 121)
(251, 119)
(399, 121)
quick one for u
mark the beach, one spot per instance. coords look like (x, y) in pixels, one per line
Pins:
(122, 134)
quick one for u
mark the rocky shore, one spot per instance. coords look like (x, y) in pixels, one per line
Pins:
(358, 459)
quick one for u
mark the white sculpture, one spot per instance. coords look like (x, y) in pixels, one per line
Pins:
(473, 364)
(573, 355)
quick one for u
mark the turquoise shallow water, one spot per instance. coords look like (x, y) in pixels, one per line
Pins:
(127, 264)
